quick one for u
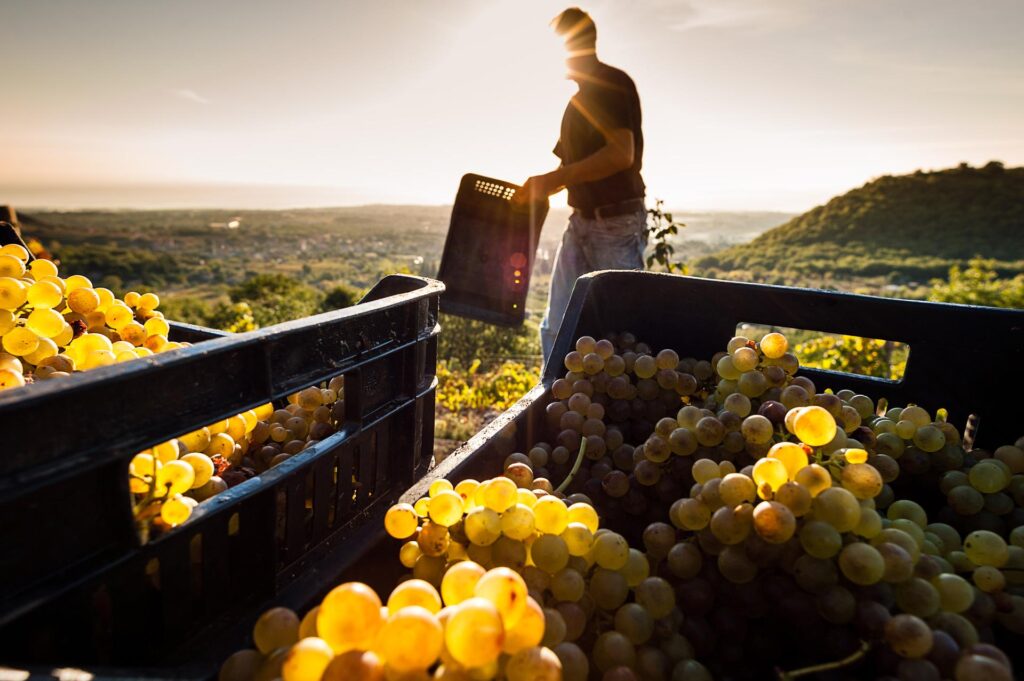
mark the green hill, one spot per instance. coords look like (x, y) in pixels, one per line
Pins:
(893, 230)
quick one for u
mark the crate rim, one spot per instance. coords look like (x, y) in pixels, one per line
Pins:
(562, 345)
(41, 391)
(18, 480)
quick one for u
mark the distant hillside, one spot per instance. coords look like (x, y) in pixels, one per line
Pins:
(896, 228)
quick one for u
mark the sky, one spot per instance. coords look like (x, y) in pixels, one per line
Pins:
(747, 104)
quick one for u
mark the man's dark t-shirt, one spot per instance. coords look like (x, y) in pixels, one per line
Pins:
(607, 100)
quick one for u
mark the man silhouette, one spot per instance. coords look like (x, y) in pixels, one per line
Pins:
(601, 148)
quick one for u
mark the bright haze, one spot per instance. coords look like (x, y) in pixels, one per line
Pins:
(748, 104)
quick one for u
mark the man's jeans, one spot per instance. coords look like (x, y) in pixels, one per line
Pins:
(588, 245)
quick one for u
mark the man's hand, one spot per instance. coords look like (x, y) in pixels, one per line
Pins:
(537, 188)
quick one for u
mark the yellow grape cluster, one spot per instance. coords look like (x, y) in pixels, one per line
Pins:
(311, 415)
(788, 521)
(171, 478)
(481, 624)
(511, 521)
(52, 326)
(168, 480)
(573, 568)
(815, 501)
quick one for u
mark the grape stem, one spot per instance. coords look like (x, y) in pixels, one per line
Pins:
(825, 666)
(575, 466)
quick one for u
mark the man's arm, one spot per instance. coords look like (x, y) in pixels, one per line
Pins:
(613, 157)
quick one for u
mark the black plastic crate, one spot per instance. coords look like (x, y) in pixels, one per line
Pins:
(697, 317)
(97, 597)
(489, 252)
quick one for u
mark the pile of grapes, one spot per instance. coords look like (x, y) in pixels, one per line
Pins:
(169, 480)
(51, 327)
(712, 519)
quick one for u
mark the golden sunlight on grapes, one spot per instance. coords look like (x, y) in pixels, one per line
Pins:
(679, 504)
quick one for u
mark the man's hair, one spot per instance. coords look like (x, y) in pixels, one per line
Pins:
(577, 28)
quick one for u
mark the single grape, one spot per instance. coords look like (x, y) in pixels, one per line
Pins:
(474, 633)
(568, 585)
(791, 455)
(861, 563)
(575, 666)
(814, 478)
(528, 631)
(955, 592)
(414, 592)
(433, 539)
(613, 649)
(401, 521)
(731, 524)
(986, 548)
(506, 589)
(965, 500)
(550, 515)
(276, 628)
(862, 479)
(690, 514)
(736, 488)
(684, 560)
(549, 553)
(795, 497)
(608, 589)
(774, 345)
(917, 597)
(584, 513)
(656, 596)
(908, 636)
(771, 472)
(820, 539)
(634, 622)
(534, 664)
(773, 522)
(988, 477)
(814, 426)
(838, 507)
(611, 551)
(757, 429)
(518, 522)
(482, 526)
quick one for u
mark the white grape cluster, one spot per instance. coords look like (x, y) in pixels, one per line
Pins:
(481, 624)
(738, 503)
(169, 480)
(52, 326)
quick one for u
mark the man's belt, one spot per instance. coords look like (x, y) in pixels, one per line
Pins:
(613, 209)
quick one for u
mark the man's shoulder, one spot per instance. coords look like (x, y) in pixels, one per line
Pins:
(617, 77)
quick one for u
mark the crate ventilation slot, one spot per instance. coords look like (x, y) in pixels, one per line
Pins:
(494, 189)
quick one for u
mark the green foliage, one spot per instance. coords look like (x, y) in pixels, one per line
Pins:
(457, 425)
(187, 309)
(262, 300)
(902, 229)
(236, 317)
(339, 297)
(499, 388)
(979, 284)
(115, 266)
(468, 396)
(854, 355)
(467, 340)
(276, 298)
(660, 228)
